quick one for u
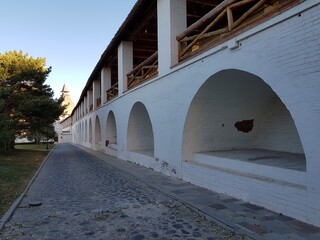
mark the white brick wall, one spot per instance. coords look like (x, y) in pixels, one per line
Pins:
(286, 56)
(277, 130)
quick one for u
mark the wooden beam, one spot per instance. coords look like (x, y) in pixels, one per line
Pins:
(193, 16)
(216, 20)
(136, 56)
(149, 18)
(230, 18)
(147, 40)
(248, 13)
(206, 35)
(241, 3)
(213, 13)
(204, 2)
(141, 49)
(149, 60)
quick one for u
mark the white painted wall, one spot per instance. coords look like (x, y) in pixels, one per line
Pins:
(125, 64)
(66, 137)
(111, 131)
(171, 22)
(140, 133)
(105, 83)
(97, 131)
(226, 98)
(232, 96)
(284, 53)
(277, 130)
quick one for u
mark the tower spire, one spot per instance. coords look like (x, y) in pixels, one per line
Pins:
(64, 89)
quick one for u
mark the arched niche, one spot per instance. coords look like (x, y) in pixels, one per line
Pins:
(235, 114)
(86, 131)
(111, 129)
(97, 131)
(90, 131)
(140, 133)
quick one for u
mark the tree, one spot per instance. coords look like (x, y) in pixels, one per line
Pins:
(28, 105)
(39, 114)
(6, 134)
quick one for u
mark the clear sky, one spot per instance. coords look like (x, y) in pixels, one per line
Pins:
(70, 34)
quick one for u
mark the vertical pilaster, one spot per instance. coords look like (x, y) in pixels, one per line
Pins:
(125, 64)
(105, 82)
(86, 107)
(96, 92)
(172, 20)
(90, 99)
(81, 109)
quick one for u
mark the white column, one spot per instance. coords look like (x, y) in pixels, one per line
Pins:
(96, 92)
(81, 109)
(86, 107)
(90, 98)
(125, 64)
(83, 103)
(172, 20)
(105, 82)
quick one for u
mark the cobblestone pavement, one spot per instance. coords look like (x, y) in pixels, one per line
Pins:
(83, 197)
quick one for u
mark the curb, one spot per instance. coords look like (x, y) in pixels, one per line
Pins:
(16, 203)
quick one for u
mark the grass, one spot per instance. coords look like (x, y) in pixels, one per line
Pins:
(16, 170)
(40, 147)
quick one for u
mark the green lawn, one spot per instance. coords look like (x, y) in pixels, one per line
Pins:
(34, 146)
(16, 170)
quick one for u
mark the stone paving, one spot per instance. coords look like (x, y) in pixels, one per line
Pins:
(78, 196)
(252, 221)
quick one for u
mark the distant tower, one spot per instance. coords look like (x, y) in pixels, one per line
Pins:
(66, 101)
(62, 126)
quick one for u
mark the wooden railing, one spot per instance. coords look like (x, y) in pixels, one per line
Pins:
(225, 20)
(98, 101)
(143, 71)
(112, 92)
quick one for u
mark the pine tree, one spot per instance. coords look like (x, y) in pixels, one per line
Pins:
(27, 105)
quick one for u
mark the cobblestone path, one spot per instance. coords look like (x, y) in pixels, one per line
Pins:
(83, 197)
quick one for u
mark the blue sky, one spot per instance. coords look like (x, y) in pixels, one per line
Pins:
(70, 34)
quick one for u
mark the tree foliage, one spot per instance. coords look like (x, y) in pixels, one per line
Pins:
(27, 106)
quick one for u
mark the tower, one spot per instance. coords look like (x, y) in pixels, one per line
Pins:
(62, 126)
(67, 101)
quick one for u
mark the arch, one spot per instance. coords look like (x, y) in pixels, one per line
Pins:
(140, 136)
(111, 129)
(90, 131)
(236, 110)
(97, 131)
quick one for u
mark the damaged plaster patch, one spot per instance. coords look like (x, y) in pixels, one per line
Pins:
(244, 125)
